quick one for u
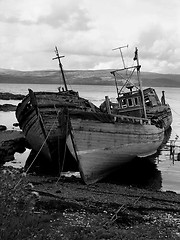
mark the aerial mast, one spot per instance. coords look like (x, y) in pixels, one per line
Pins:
(121, 53)
(60, 66)
(123, 66)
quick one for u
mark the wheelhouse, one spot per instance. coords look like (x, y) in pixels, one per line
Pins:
(130, 103)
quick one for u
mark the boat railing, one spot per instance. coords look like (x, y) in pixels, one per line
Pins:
(131, 119)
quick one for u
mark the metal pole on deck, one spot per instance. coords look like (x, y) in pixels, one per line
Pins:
(139, 80)
(60, 66)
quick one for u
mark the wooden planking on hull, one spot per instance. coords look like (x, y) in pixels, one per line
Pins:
(103, 147)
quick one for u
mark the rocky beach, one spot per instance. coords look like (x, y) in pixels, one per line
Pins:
(46, 207)
(63, 207)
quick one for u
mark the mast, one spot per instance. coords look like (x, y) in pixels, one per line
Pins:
(60, 66)
(113, 72)
(139, 80)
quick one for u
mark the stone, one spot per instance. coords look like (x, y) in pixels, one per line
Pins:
(3, 128)
(10, 142)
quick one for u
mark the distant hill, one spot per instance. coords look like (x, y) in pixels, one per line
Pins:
(84, 77)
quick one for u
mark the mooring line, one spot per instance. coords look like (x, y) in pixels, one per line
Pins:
(24, 174)
(175, 111)
(124, 206)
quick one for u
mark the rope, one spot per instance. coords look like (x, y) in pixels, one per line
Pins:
(24, 174)
(60, 170)
(175, 111)
(123, 207)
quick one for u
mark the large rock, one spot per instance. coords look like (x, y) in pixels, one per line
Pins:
(3, 127)
(11, 141)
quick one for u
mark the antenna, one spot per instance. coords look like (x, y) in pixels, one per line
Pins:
(123, 66)
(121, 53)
(60, 65)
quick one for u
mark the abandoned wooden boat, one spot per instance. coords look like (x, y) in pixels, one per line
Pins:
(130, 104)
(102, 142)
(131, 101)
(37, 115)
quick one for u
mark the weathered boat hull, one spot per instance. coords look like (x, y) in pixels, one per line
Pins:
(32, 129)
(162, 114)
(48, 143)
(38, 118)
(102, 148)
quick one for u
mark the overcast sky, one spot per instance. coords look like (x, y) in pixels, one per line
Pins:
(86, 31)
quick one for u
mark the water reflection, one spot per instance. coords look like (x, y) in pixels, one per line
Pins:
(19, 160)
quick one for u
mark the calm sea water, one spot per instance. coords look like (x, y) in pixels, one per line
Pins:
(167, 172)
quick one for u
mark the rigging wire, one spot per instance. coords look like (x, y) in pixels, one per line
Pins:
(175, 111)
(24, 174)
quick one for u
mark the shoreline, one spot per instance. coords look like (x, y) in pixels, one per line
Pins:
(19, 139)
(68, 209)
(46, 207)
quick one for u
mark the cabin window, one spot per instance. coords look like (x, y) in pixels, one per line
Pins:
(147, 101)
(136, 101)
(130, 102)
(123, 103)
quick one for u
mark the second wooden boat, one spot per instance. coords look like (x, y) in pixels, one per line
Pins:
(102, 143)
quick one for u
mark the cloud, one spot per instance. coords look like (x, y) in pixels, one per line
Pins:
(160, 48)
(86, 31)
(67, 14)
(30, 30)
